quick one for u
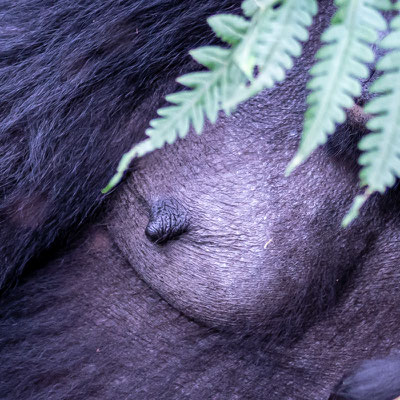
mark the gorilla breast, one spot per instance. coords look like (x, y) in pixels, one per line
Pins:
(254, 244)
(251, 248)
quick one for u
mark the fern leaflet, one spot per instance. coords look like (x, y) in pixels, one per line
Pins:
(267, 43)
(342, 61)
(276, 43)
(381, 157)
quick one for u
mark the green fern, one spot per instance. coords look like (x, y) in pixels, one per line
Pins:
(342, 61)
(274, 57)
(263, 45)
(381, 157)
(266, 42)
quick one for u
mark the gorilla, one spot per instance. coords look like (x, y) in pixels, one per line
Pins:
(206, 274)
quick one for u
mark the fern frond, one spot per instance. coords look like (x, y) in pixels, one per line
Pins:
(276, 43)
(381, 157)
(267, 42)
(189, 106)
(342, 61)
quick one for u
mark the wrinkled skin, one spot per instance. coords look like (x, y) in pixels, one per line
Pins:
(207, 274)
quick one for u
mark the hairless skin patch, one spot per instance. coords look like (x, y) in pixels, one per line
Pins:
(168, 220)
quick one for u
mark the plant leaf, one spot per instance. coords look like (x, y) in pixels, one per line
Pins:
(230, 69)
(273, 45)
(342, 61)
(381, 148)
(381, 159)
(228, 27)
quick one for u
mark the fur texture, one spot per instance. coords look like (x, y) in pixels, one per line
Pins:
(71, 77)
(79, 81)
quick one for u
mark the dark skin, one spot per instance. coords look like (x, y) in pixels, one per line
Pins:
(207, 274)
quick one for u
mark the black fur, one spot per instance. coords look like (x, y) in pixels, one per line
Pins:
(71, 77)
(77, 85)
